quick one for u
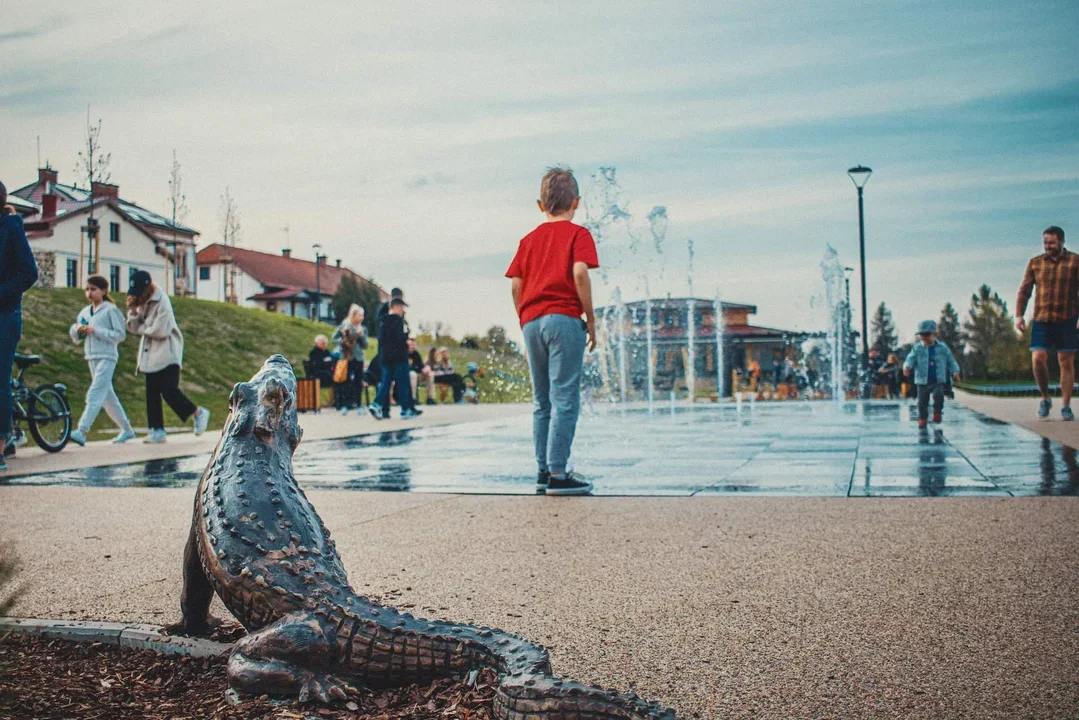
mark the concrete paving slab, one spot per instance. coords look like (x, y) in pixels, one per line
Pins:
(721, 606)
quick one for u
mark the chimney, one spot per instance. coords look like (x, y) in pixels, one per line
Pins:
(47, 175)
(286, 252)
(105, 190)
(338, 262)
(48, 206)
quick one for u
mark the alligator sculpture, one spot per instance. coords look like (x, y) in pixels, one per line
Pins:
(258, 543)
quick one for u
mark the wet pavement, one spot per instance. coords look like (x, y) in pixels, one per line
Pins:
(811, 449)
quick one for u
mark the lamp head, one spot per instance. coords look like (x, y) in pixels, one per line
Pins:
(859, 175)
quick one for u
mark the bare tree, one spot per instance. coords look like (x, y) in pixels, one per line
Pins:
(93, 164)
(230, 236)
(178, 205)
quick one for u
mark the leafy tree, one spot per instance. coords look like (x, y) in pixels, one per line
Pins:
(949, 331)
(990, 337)
(497, 341)
(883, 329)
(361, 292)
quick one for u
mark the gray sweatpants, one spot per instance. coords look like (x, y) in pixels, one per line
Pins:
(924, 391)
(101, 394)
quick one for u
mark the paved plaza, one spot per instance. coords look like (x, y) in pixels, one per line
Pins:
(853, 449)
(744, 597)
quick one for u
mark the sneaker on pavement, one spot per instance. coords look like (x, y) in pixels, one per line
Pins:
(124, 436)
(202, 420)
(9, 449)
(344, 410)
(430, 401)
(570, 484)
(156, 437)
(376, 411)
(543, 478)
(937, 418)
(18, 441)
(78, 437)
(1066, 413)
(1044, 407)
(409, 414)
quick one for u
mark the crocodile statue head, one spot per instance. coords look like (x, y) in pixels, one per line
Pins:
(257, 542)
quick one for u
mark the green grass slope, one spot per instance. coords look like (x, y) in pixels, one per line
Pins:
(223, 345)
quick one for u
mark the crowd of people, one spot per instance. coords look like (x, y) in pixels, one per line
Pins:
(396, 371)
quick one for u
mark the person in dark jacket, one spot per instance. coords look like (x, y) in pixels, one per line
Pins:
(18, 273)
(321, 361)
(384, 309)
(393, 350)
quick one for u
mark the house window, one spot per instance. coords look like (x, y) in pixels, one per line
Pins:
(114, 278)
(204, 272)
(72, 273)
(114, 232)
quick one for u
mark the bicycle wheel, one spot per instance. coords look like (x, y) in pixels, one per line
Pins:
(49, 418)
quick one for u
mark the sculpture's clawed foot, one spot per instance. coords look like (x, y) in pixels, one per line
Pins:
(278, 677)
(324, 688)
(194, 628)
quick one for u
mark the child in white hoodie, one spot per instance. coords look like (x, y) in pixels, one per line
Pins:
(100, 327)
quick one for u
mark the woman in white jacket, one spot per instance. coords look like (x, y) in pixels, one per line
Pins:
(100, 327)
(161, 354)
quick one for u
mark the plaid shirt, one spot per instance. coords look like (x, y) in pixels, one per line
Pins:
(1058, 287)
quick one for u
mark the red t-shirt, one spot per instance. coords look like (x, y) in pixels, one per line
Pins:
(544, 262)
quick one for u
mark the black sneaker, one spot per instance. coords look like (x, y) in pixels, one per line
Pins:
(571, 484)
(9, 449)
(543, 478)
(431, 402)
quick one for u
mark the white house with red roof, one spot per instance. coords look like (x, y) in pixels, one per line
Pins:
(277, 283)
(128, 238)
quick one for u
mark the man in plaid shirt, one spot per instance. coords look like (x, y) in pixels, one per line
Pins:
(1056, 316)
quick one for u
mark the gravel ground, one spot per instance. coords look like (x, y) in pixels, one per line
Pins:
(58, 680)
(724, 607)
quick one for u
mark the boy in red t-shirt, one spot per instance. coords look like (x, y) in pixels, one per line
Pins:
(551, 291)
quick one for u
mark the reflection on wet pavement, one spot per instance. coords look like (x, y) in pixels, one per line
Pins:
(857, 449)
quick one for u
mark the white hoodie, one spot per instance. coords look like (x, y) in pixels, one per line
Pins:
(109, 331)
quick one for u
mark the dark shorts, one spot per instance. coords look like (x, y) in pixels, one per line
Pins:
(1061, 336)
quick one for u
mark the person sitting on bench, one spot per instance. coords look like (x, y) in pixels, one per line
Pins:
(445, 374)
(321, 361)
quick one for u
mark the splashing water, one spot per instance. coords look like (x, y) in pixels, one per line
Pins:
(833, 276)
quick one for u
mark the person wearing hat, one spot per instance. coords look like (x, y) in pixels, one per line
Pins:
(161, 355)
(930, 362)
(393, 350)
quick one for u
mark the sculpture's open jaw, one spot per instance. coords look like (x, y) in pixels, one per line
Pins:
(265, 407)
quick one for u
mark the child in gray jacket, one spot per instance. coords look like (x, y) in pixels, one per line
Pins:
(931, 362)
(100, 327)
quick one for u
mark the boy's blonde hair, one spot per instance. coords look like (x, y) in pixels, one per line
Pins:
(558, 190)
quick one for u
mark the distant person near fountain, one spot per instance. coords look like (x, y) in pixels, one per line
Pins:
(1056, 317)
(551, 291)
(931, 362)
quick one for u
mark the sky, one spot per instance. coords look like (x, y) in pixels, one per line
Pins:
(409, 138)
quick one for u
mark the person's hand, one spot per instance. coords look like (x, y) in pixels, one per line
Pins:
(590, 327)
(906, 372)
(1021, 325)
(87, 329)
(132, 302)
(955, 377)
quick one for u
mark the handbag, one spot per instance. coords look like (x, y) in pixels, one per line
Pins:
(340, 371)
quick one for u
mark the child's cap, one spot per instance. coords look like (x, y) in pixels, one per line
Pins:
(398, 302)
(927, 326)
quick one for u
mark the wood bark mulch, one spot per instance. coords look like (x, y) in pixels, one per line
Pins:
(43, 679)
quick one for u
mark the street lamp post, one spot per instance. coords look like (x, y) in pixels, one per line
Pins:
(318, 282)
(859, 175)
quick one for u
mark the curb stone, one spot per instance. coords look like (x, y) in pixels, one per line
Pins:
(133, 635)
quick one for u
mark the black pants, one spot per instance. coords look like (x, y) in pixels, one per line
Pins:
(349, 393)
(454, 381)
(166, 384)
(924, 391)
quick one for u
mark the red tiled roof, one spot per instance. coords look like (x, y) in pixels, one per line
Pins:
(285, 294)
(278, 271)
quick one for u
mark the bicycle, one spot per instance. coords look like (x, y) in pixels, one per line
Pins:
(44, 408)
